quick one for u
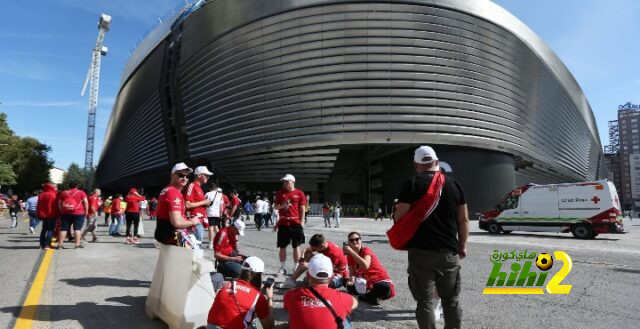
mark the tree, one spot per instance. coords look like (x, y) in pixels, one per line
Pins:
(75, 174)
(24, 162)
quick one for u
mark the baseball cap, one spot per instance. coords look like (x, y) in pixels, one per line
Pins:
(180, 166)
(288, 177)
(320, 267)
(253, 264)
(239, 226)
(424, 154)
(202, 170)
(219, 189)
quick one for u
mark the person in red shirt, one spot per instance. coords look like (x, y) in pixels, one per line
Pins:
(318, 244)
(116, 215)
(171, 210)
(234, 206)
(225, 249)
(196, 203)
(290, 203)
(371, 279)
(92, 215)
(225, 212)
(73, 205)
(307, 311)
(47, 211)
(236, 304)
(132, 214)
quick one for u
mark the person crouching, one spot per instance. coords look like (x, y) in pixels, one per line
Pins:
(240, 300)
(225, 249)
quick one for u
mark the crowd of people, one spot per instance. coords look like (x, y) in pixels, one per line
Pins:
(432, 226)
(431, 223)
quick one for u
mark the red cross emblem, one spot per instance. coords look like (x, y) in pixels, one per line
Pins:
(595, 199)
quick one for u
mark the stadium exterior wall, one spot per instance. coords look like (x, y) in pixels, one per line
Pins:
(256, 88)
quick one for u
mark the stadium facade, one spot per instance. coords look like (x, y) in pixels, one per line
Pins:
(339, 93)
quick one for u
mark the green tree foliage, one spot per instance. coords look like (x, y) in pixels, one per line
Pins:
(24, 162)
(75, 174)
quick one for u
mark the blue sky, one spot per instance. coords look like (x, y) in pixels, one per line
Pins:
(46, 46)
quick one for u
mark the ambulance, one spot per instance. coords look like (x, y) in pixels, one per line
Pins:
(585, 209)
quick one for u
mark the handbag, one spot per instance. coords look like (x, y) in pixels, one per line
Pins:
(405, 228)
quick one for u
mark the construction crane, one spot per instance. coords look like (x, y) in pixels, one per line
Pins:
(93, 77)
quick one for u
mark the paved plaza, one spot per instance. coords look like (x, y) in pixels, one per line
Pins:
(105, 284)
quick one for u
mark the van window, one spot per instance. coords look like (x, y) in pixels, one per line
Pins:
(511, 202)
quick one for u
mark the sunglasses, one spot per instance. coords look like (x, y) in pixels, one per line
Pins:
(354, 240)
(183, 175)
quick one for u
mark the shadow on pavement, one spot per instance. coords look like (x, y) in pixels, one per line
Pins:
(19, 247)
(109, 282)
(368, 313)
(91, 315)
(627, 270)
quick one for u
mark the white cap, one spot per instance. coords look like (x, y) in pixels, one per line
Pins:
(424, 154)
(288, 177)
(320, 267)
(253, 264)
(239, 226)
(179, 167)
(202, 170)
(219, 189)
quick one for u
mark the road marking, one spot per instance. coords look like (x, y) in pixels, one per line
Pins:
(30, 305)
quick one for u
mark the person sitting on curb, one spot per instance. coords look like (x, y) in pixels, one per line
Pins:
(225, 249)
(318, 306)
(318, 244)
(239, 300)
(371, 281)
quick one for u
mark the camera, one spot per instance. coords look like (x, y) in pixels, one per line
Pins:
(268, 283)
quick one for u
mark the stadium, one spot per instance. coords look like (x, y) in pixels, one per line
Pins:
(339, 94)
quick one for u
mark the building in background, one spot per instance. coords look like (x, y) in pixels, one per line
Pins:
(623, 154)
(339, 93)
(56, 175)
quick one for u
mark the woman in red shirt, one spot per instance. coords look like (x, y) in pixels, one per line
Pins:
(368, 279)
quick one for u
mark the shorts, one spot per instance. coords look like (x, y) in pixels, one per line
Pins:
(76, 220)
(215, 221)
(290, 234)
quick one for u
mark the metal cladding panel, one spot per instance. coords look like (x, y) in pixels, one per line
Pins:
(135, 140)
(321, 73)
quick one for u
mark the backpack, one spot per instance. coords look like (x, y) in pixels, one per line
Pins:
(70, 204)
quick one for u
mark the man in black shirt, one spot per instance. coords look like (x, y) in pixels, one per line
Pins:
(438, 243)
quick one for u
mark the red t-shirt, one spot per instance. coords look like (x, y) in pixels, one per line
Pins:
(193, 193)
(224, 242)
(170, 199)
(375, 273)
(290, 214)
(225, 202)
(338, 259)
(226, 314)
(133, 202)
(307, 312)
(78, 195)
(115, 206)
(93, 205)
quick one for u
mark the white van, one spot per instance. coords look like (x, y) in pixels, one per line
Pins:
(585, 209)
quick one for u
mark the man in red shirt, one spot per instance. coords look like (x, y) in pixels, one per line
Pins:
(234, 207)
(236, 304)
(116, 211)
(47, 211)
(372, 281)
(196, 203)
(307, 311)
(92, 215)
(290, 203)
(318, 244)
(225, 249)
(73, 206)
(225, 211)
(171, 210)
(132, 214)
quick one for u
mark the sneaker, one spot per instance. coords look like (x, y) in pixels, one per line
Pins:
(80, 246)
(282, 271)
(136, 240)
(95, 239)
(210, 245)
(31, 230)
(128, 241)
(287, 284)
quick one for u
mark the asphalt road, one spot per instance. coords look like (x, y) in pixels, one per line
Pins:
(105, 284)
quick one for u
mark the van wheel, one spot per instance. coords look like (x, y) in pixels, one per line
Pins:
(494, 228)
(582, 231)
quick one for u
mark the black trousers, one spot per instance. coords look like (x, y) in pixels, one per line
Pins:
(379, 290)
(132, 218)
